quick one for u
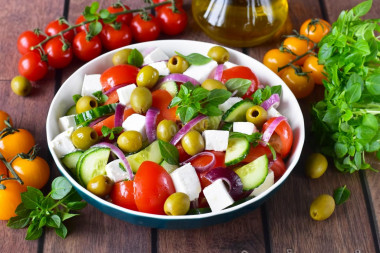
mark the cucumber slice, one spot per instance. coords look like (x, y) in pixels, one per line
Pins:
(170, 87)
(237, 150)
(71, 111)
(79, 162)
(253, 174)
(70, 160)
(150, 153)
(237, 112)
(84, 118)
(168, 167)
(227, 126)
(93, 164)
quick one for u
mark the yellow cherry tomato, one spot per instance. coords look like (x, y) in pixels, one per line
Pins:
(300, 83)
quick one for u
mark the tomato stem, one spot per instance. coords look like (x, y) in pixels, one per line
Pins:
(10, 168)
(311, 51)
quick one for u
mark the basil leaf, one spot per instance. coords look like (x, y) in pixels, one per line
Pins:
(251, 138)
(94, 29)
(32, 198)
(238, 84)
(190, 113)
(76, 97)
(212, 110)
(22, 211)
(100, 97)
(362, 8)
(104, 13)
(218, 96)
(195, 58)
(54, 221)
(18, 222)
(276, 89)
(60, 188)
(175, 101)
(341, 195)
(34, 232)
(135, 58)
(169, 152)
(76, 205)
(199, 94)
(67, 216)
(61, 231)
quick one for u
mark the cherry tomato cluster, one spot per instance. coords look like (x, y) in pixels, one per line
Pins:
(19, 163)
(58, 51)
(296, 62)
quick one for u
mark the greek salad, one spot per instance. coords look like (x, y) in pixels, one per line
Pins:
(174, 134)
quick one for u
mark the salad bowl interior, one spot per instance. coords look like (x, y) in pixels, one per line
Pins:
(289, 107)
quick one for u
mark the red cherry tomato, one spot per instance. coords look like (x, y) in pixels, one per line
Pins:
(86, 50)
(28, 39)
(242, 72)
(172, 23)
(113, 38)
(57, 57)
(125, 18)
(161, 100)
(56, 26)
(278, 167)
(122, 195)
(32, 67)
(183, 156)
(178, 4)
(152, 186)
(84, 28)
(282, 138)
(119, 74)
(203, 161)
(145, 30)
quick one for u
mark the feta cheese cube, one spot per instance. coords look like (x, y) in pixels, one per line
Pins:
(272, 112)
(124, 94)
(66, 122)
(161, 67)
(269, 181)
(62, 144)
(228, 65)
(229, 103)
(137, 123)
(217, 196)
(91, 84)
(156, 55)
(216, 140)
(201, 72)
(244, 127)
(185, 180)
(115, 172)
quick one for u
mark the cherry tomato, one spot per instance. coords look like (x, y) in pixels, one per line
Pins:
(316, 70)
(119, 74)
(125, 18)
(3, 169)
(298, 47)
(278, 167)
(299, 82)
(113, 38)
(3, 117)
(242, 72)
(315, 29)
(34, 173)
(32, 67)
(275, 59)
(183, 156)
(28, 39)
(178, 4)
(20, 141)
(282, 138)
(161, 100)
(57, 26)
(81, 28)
(122, 195)
(172, 23)
(86, 50)
(145, 30)
(10, 198)
(204, 160)
(57, 56)
(152, 186)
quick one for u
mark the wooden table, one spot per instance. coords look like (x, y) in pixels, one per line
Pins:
(282, 224)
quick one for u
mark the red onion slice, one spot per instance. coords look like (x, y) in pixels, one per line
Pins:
(270, 130)
(150, 119)
(201, 168)
(119, 112)
(186, 128)
(119, 154)
(273, 100)
(178, 78)
(115, 88)
(93, 123)
(218, 72)
(230, 177)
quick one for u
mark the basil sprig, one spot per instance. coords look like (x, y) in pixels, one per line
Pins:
(195, 58)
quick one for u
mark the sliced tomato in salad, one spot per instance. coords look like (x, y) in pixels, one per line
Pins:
(282, 138)
(113, 97)
(110, 121)
(161, 100)
(122, 195)
(183, 156)
(242, 72)
(119, 74)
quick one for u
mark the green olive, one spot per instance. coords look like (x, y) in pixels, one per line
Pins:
(218, 54)
(100, 185)
(316, 165)
(141, 99)
(166, 130)
(21, 86)
(177, 64)
(86, 103)
(257, 115)
(84, 137)
(202, 125)
(193, 142)
(212, 84)
(121, 57)
(322, 207)
(130, 141)
(177, 204)
(147, 77)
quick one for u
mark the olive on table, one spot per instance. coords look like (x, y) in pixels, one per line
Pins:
(121, 57)
(84, 137)
(322, 207)
(166, 130)
(193, 142)
(177, 204)
(141, 99)
(212, 84)
(86, 103)
(147, 77)
(130, 141)
(256, 115)
(21, 86)
(177, 64)
(316, 165)
(218, 54)
(100, 185)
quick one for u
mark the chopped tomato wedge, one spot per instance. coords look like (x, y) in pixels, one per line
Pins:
(282, 138)
(202, 161)
(183, 156)
(113, 97)
(161, 100)
(242, 72)
(119, 74)
(110, 121)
